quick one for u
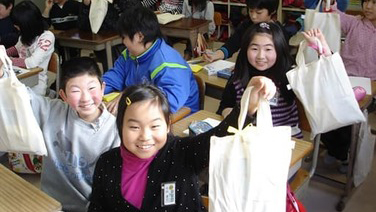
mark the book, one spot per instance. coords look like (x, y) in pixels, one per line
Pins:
(214, 67)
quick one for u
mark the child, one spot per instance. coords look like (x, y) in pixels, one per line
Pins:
(138, 175)
(148, 58)
(8, 33)
(358, 51)
(265, 53)
(171, 6)
(200, 9)
(36, 44)
(62, 14)
(259, 11)
(76, 132)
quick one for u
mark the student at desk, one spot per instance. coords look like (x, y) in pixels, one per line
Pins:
(8, 33)
(132, 176)
(76, 131)
(148, 58)
(258, 11)
(35, 45)
(265, 53)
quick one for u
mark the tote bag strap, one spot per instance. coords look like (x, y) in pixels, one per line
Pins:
(327, 5)
(7, 63)
(300, 60)
(264, 116)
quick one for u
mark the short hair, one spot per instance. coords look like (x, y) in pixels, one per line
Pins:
(140, 19)
(27, 16)
(244, 71)
(77, 67)
(7, 3)
(270, 5)
(137, 93)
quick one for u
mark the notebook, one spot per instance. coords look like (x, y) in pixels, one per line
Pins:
(165, 18)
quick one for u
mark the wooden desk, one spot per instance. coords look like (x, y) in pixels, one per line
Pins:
(214, 85)
(31, 77)
(302, 148)
(186, 28)
(17, 195)
(75, 38)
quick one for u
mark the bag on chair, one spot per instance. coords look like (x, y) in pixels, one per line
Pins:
(19, 130)
(248, 171)
(324, 89)
(329, 24)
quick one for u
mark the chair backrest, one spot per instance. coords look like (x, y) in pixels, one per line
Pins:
(54, 66)
(201, 90)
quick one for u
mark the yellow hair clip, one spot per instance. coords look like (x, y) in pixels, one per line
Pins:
(128, 101)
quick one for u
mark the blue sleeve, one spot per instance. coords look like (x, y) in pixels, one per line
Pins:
(115, 77)
(176, 84)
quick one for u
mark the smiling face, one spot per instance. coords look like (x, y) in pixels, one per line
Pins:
(84, 94)
(135, 46)
(261, 52)
(144, 128)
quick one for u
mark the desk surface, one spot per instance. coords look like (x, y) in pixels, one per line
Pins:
(32, 72)
(302, 148)
(368, 99)
(186, 24)
(18, 195)
(85, 36)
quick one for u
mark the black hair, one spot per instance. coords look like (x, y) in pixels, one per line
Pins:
(140, 19)
(137, 93)
(244, 71)
(78, 67)
(199, 5)
(7, 3)
(270, 5)
(27, 16)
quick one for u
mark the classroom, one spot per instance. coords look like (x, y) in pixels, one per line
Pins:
(171, 105)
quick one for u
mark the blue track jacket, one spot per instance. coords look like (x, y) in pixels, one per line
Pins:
(161, 65)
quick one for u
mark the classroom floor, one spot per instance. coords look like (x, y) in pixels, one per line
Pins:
(321, 195)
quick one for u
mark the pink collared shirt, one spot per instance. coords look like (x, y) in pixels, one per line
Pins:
(359, 50)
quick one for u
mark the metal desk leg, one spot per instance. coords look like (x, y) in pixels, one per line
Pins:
(66, 53)
(109, 54)
(350, 172)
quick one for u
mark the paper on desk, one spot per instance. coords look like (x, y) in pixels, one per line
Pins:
(362, 82)
(166, 18)
(195, 67)
(212, 122)
(213, 68)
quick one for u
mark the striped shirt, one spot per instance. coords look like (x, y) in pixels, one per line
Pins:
(171, 6)
(283, 113)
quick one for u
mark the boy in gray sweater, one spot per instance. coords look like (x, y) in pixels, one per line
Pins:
(76, 132)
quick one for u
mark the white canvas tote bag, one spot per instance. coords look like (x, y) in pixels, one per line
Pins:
(324, 89)
(19, 130)
(248, 171)
(329, 24)
(97, 13)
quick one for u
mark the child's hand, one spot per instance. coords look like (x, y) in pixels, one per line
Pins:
(214, 56)
(263, 87)
(113, 105)
(49, 4)
(312, 35)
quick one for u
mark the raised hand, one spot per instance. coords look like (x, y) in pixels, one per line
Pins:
(311, 36)
(263, 87)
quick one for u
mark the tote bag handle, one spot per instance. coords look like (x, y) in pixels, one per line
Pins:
(327, 5)
(300, 60)
(7, 63)
(264, 116)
